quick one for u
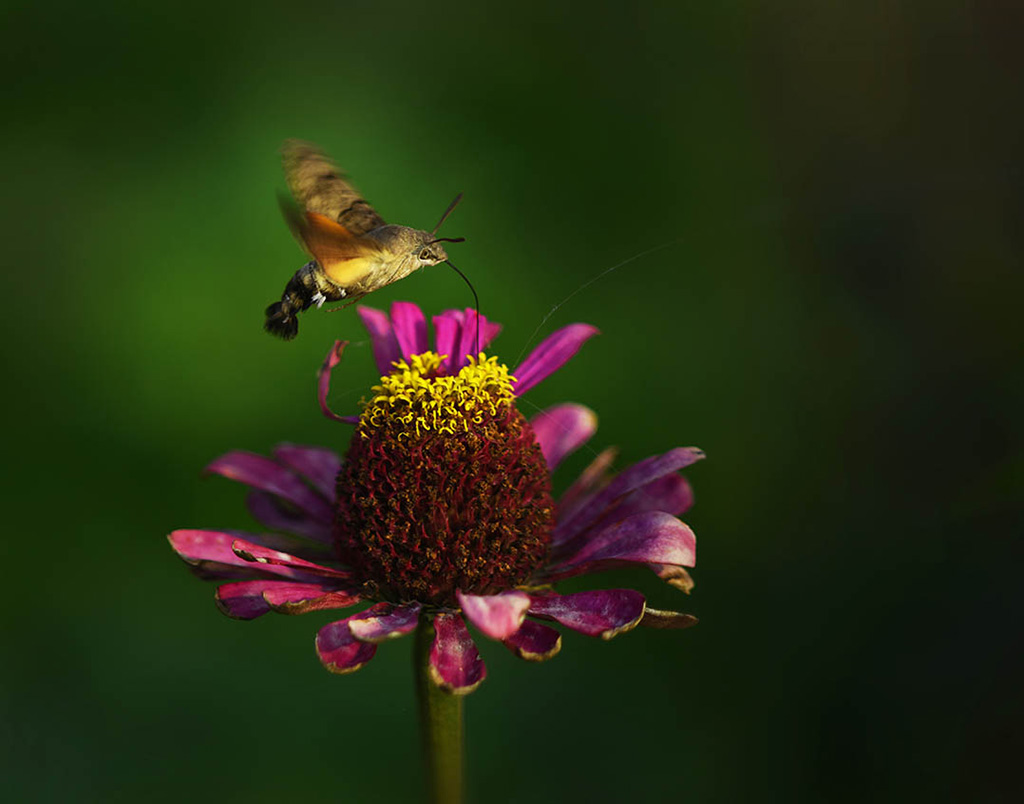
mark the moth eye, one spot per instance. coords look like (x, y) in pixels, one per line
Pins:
(425, 254)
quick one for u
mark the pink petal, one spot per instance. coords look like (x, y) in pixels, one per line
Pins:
(263, 473)
(590, 479)
(473, 340)
(301, 598)
(318, 465)
(243, 600)
(410, 328)
(497, 616)
(268, 557)
(655, 618)
(275, 514)
(534, 642)
(550, 355)
(636, 476)
(456, 336)
(211, 550)
(563, 429)
(455, 664)
(601, 612)
(378, 624)
(324, 383)
(447, 336)
(385, 345)
(651, 537)
(339, 651)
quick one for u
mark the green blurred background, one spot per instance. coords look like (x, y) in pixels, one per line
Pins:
(834, 319)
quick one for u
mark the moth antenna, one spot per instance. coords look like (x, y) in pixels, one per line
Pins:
(476, 299)
(447, 240)
(444, 217)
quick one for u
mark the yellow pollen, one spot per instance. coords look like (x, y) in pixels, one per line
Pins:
(413, 395)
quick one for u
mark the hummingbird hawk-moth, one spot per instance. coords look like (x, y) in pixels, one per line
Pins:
(354, 252)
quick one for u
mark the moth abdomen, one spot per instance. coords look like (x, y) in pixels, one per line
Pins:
(300, 294)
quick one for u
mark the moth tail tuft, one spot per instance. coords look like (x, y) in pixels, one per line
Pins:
(282, 321)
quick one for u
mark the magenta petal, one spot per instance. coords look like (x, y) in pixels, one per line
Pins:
(301, 598)
(455, 664)
(651, 537)
(562, 429)
(590, 479)
(636, 476)
(250, 551)
(211, 550)
(456, 337)
(339, 651)
(382, 622)
(410, 328)
(447, 336)
(655, 618)
(550, 355)
(318, 465)
(243, 600)
(534, 642)
(601, 612)
(277, 515)
(267, 475)
(497, 616)
(385, 345)
(324, 383)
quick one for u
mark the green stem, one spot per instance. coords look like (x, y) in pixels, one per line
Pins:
(440, 725)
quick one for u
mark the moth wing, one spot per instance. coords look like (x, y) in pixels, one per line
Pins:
(342, 256)
(320, 187)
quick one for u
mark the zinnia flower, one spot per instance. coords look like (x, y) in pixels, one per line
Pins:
(443, 510)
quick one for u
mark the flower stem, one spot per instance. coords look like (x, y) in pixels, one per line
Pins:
(440, 725)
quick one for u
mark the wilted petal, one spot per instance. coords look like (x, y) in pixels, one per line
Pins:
(590, 480)
(600, 612)
(382, 337)
(301, 598)
(267, 475)
(210, 552)
(275, 514)
(410, 328)
(562, 429)
(497, 616)
(378, 624)
(318, 465)
(635, 477)
(339, 651)
(654, 537)
(552, 353)
(455, 664)
(269, 558)
(674, 576)
(243, 600)
(324, 383)
(655, 618)
(534, 642)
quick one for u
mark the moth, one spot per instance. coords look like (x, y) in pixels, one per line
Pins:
(354, 251)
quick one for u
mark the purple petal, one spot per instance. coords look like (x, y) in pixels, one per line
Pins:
(591, 479)
(552, 353)
(301, 598)
(385, 345)
(601, 612)
(455, 664)
(318, 465)
(671, 494)
(210, 551)
(324, 383)
(263, 473)
(388, 622)
(534, 642)
(269, 558)
(497, 616)
(275, 514)
(655, 618)
(339, 651)
(635, 477)
(563, 429)
(652, 537)
(674, 576)
(243, 600)
(410, 328)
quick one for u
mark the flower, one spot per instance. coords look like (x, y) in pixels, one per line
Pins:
(443, 510)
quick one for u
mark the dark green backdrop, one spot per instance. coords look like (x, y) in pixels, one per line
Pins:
(834, 320)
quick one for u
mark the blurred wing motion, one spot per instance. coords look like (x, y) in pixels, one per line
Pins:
(343, 257)
(318, 186)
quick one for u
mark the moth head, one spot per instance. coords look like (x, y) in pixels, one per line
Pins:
(432, 252)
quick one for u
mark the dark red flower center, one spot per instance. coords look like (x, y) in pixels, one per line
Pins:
(444, 487)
